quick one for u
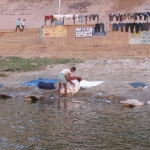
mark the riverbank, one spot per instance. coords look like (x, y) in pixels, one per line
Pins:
(116, 74)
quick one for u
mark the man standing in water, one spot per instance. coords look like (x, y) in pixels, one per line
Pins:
(63, 78)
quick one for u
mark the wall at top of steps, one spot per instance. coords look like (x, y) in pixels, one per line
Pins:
(114, 45)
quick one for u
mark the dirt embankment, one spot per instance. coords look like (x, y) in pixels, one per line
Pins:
(34, 11)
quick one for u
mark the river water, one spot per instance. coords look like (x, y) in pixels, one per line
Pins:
(72, 125)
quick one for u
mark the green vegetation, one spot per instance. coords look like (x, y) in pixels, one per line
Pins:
(19, 64)
(3, 75)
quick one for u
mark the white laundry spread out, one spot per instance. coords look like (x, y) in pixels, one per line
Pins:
(89, 84)
(72, 88)
(84, 84)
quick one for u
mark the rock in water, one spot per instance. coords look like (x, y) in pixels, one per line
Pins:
(148, 102)
(5, 96)
(111, 97)
(31, 98)
(132, 103)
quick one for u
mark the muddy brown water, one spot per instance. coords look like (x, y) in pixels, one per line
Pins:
(73, 125)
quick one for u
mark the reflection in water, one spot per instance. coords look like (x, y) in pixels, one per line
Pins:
(64, 103)
(69, 125)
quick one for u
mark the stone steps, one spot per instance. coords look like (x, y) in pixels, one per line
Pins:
(28, 44)
(57, 51)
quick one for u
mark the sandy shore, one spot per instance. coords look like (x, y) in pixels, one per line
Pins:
(116, 74)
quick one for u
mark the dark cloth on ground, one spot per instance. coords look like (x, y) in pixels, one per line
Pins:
(138, 84)
(34, 83)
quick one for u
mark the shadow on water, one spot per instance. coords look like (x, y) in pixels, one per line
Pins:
(71, 124)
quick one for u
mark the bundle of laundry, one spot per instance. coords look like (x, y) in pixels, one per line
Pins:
(72, 89)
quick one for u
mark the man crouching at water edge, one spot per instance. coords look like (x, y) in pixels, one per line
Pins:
(63, 78)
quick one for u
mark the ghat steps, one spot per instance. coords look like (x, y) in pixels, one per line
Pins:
(29, 44)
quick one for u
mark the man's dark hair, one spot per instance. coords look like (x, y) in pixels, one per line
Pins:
(73, 68)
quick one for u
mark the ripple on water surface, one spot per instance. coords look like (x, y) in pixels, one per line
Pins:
(81, 126)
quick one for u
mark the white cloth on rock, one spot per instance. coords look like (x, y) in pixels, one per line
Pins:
(133, 102)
